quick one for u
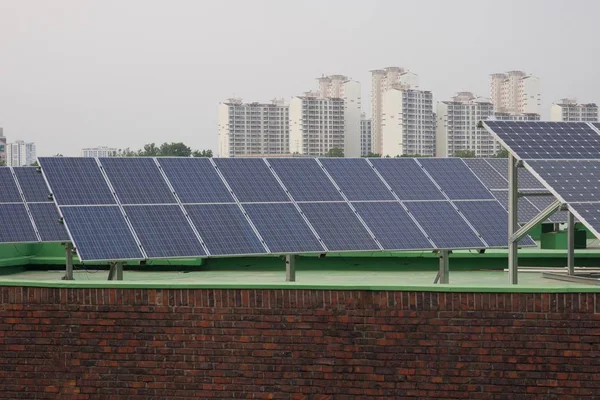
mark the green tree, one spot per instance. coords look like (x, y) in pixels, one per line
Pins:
(149, 150)
(335, 152)
(372, 155)
(502, 154)
(464, 153)
(2, 162)
(178, 149)
(202, 153)
(127, 152)
(34, 164)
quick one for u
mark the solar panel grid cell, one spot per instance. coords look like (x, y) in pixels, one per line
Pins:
(32, 184)
(305, 180)
(573, 180)
(356, 178)
(137, 181)
(407, 179)
(9, 192)
(491, 178)
(451, 174)
(16, 225)
(47, 221)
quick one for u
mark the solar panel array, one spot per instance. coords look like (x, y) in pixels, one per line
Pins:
(200, 207)
(28, 213)
(493, 173)
(565, 158)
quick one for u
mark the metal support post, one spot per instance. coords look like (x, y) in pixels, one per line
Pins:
(69, 265)
(571, 244)
(513, 220)
(119, 270)
(444, 273)
(116, 271)
(290, 268)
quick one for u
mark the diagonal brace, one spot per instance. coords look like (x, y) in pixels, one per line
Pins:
(541, 217)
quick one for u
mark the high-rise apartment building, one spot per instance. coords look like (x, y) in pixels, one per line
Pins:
(515, 92)
(20, 154)
(457, 126)
(253, 129)
(317, 124)
(383, 80)
(2, 147)
(407, 123)
(570, 110)
(365, 136)
(516, 117)
(101, 151)
(340, 86)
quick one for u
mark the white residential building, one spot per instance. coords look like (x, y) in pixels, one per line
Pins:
(365, 135)
(516, 117)
(253, 129)
(20, 154)
(408, 126)
(101, 151)
(515, 92)
(2, 147)
(340, 86)
(383, 80)
(570, 110)
(457, 126)
(317, 124)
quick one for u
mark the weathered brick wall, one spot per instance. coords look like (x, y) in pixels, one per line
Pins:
(296, 344)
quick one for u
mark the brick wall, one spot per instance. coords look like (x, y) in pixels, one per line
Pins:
(296, 344)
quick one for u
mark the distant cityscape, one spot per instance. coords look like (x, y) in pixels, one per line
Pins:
(330, 120)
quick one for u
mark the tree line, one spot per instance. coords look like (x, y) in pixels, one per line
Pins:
(173, 149)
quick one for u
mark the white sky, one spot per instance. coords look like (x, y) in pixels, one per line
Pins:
(122, 73)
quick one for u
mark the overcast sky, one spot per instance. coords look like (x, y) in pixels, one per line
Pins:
(76, 73)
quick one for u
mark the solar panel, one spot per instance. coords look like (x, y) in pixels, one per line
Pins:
(526, 211)
(356, 178)
(392, 226)
(101, 233)
(195, 180)
(164, 231)
(224, 229)
(525, 179)
(283, 228)
(547, 140)
(490, 219)
(32, 184)
(251, 180)
(47, 221)
(455, 179)
(10, 192)
(491, 178)
(445, 226)
(76, 181)
(542, 202)
(407, 179)
(573, 180)
(137, 180)
(338, 226)
(15, 226)
(304, 179)
(589, 212)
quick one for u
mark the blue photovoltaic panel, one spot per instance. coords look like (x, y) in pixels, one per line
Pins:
(251, 180)
(283, 228)
(15, 226)
(224, 229)
(491, 178)
(164, 231)
(32, 184)
(525, 180)
(304, 179)
(548, 140)
(392, 226)
(455, 179)
(444, 225)
(490, 219)
(590, 212)
(526, 211)
(195, 180)
(338, 226)
(9, 193)
(407, 179)
(47, 221)
(541, 203)
(356, 179)
(573, 180)
(76, 181)
(100, 233)
(137, 181)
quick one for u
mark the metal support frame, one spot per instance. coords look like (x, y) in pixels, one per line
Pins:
(290, 268)
(513, 220)
(541, 217)
(69, 264)
(571, 244)
(444, 272)
(116, 271)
